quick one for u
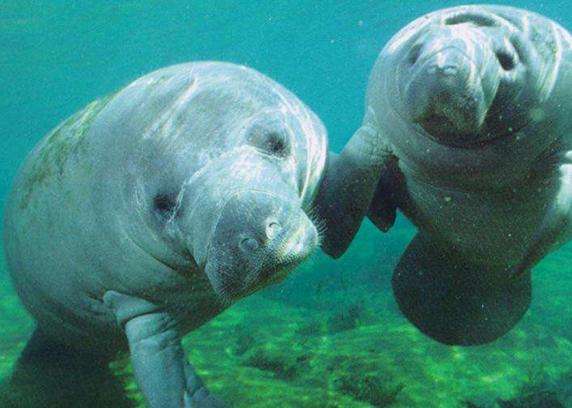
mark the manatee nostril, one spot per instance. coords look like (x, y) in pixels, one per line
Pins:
(249, 244)
(506, 61)
(272, 229)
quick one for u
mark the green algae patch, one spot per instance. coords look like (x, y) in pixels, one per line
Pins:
(51, 156)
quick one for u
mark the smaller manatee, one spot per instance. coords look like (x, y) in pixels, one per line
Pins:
(472, 106)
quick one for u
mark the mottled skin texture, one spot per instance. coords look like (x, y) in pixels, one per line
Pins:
(152, 210)
(474, 105)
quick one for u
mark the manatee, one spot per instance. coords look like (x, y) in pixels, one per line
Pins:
(152, 210)
(473, 108)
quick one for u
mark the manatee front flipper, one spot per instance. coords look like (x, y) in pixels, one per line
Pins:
(383, 208)
(164, 377)
(556, 228)
(349, 185)
(50, 374)
(454, 301)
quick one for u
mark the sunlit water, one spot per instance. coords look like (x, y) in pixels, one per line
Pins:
(331, 335)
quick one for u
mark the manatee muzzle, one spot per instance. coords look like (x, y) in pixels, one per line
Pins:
(258, 238)
(457, 78)
(445, 96)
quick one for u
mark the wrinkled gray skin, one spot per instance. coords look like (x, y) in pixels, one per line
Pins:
(474, 105)
(150, 211)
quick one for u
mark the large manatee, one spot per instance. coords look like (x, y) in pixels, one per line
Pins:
(148, 212)
(473, 108)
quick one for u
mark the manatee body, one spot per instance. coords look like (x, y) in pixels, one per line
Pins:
(150, 211)
(473, 106)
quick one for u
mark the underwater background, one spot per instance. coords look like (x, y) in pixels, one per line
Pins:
(330, 335)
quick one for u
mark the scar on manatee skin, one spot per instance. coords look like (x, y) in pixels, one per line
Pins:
(64, 141)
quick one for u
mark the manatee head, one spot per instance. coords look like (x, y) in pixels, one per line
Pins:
(233, 184)
(245, 223)
(470, 75)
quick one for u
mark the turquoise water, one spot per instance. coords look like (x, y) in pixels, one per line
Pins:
(331, 335)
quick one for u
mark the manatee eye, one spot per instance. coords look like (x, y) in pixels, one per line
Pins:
(164, 204)
(506, 60)
(270, 142)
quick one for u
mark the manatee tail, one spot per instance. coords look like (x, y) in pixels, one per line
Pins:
(50, 374)
(454, 301)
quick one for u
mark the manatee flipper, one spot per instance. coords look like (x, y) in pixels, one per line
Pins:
(556, 228)
(455, 301)
(349, 185)
(51, 374)
(383, 209)
(164, 376)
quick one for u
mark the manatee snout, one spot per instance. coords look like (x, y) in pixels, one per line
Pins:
(443, 96)
(458, 73)
(258, 238)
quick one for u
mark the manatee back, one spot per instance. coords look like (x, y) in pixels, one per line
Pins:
(47, 218)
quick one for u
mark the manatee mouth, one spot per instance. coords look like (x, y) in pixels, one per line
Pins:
(267, 276)
(274, 276)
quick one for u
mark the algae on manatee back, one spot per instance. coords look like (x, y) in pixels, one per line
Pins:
(60, 144)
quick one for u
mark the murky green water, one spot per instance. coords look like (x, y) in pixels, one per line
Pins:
(331, 335)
